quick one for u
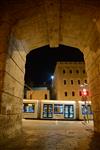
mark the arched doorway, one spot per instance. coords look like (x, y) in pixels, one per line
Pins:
(54, 22)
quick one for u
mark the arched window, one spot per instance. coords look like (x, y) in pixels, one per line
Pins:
(77, 71)
(30, 95)
(64, 82)
(45, 96)
(64, 71)
(83, 71)
(70, 71)
(73, 93)
(78, 81)
(65, 93)
(71, 81)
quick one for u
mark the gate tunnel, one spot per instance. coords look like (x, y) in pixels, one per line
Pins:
(27, 25)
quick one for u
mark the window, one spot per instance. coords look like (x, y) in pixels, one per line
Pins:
(30, 95)
(73, 93)
(84, 71)
(85, 81)
(78, 81)
(29, 108)
(58, 108)
(71, 81)
(70, 71)
(64, 82)
(65, 93)
(45, 96)
(80, 93)
(77, 71)
(63, 71)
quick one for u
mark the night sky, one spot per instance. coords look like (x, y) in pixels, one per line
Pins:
(40, 63)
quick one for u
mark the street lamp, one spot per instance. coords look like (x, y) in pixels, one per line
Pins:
(52, 77)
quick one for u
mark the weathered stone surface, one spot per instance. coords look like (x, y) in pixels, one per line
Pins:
(10, 126)
(11, 105)
(2, 73)
(97, 120)
(15, 69)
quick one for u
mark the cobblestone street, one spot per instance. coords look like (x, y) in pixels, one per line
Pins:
(54, 135)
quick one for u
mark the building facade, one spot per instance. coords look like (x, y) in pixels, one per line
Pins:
(68, 77)
(39, 93)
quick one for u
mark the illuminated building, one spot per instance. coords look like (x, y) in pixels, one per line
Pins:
(38, 93)
(68, 77)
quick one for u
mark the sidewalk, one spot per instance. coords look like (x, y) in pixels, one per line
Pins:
(54, 135)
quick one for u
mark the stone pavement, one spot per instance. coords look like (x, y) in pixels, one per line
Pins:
(54, 135)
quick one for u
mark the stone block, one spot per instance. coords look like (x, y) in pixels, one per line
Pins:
(14, 70)
(12, 86)
(18, 45)
(2, 73)
(3, 57)
(11, 105)
(16, 57)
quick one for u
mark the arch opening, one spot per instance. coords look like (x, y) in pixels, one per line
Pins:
(41, 64)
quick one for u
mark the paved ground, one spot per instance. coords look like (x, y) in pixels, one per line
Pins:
(55, 135)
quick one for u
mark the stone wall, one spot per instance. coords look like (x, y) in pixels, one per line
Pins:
(12, 83)
(92, 59)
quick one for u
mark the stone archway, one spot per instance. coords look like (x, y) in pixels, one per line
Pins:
(31, 24)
